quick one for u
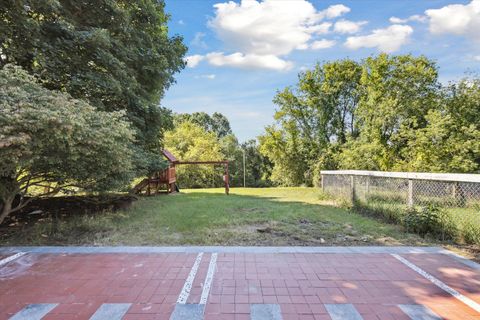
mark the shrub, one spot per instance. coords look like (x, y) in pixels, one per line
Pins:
(50, 141)
(430, 220)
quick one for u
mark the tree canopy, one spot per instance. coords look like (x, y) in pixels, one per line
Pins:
(382, 113)
(190, 142)
(114, 54)
(50, 140)
(216, 122)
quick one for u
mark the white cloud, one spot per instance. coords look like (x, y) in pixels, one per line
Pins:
(335, 11)
(387, 40)
(476, 58)
(181, 22)
(415, 17)
(322, 44)
(194, 60)
(248, 61)
(456, 19)
(206, 76)
(261, 32)
(347, 26)
(271, 26)
(198, 40)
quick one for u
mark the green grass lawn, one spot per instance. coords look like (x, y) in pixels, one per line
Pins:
(271, 216)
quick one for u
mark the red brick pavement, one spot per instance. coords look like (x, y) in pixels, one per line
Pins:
(300, 283)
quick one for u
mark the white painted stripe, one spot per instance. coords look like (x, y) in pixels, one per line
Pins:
(469, 302)
(265, 312)
(208, 280)
(11, 258)
(34, 311)
(188, 312)
(111, 311)
(418, 312)
(343, 311)
(182, 298)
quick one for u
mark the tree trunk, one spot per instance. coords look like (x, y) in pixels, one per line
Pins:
(6, 207)
(8, 189)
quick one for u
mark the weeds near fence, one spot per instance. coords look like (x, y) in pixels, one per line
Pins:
(445, 210)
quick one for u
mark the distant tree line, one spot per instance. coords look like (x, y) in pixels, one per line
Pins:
(80, 86)
(385, 112)
(203, 137)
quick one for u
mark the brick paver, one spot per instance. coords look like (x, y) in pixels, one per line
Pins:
(300, 284)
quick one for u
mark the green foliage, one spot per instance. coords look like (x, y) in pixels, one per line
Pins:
(397, 92)
(115, 54)
(386, 113)
(47, 138)
(431, 220)
(450, 140)
(256, 165)
(190, 142)
(318, 112)
(216, 123)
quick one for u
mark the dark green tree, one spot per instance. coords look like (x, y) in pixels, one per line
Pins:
(50, 140)
(116, 55)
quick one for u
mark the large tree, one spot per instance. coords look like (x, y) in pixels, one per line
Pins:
(397, 93)
(190, 142)
(317, 112)
(450, 140)
(383, 113)
(50, 141)
(216, 122)
(115, 54)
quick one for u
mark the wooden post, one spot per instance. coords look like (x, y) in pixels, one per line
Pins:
(225, 179)
(410, 193)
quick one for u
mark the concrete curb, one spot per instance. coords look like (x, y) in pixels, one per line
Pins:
(260, 250)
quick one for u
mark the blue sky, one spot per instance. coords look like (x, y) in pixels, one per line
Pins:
(242, 52)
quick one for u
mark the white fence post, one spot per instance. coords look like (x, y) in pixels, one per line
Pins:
(321, 182)
(352, 187)
(367, 187)
(410, 193)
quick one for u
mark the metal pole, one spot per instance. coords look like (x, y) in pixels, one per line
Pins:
(244, 173)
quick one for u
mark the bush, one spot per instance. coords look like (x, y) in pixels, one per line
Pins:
(430, 220)
(50, 141)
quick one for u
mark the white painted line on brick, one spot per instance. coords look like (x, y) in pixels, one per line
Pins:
(111, 311)
(34, 311)
(11, 258)
(188, 312)
(343, 311)
(469, 302)
(182, 298)
(265, 312)
(208, 280)
(418, 312)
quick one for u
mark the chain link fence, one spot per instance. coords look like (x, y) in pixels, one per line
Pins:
(394, 193)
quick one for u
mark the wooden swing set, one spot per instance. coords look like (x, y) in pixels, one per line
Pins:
(167, 178)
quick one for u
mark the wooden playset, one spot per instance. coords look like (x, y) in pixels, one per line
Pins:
(168, 179)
